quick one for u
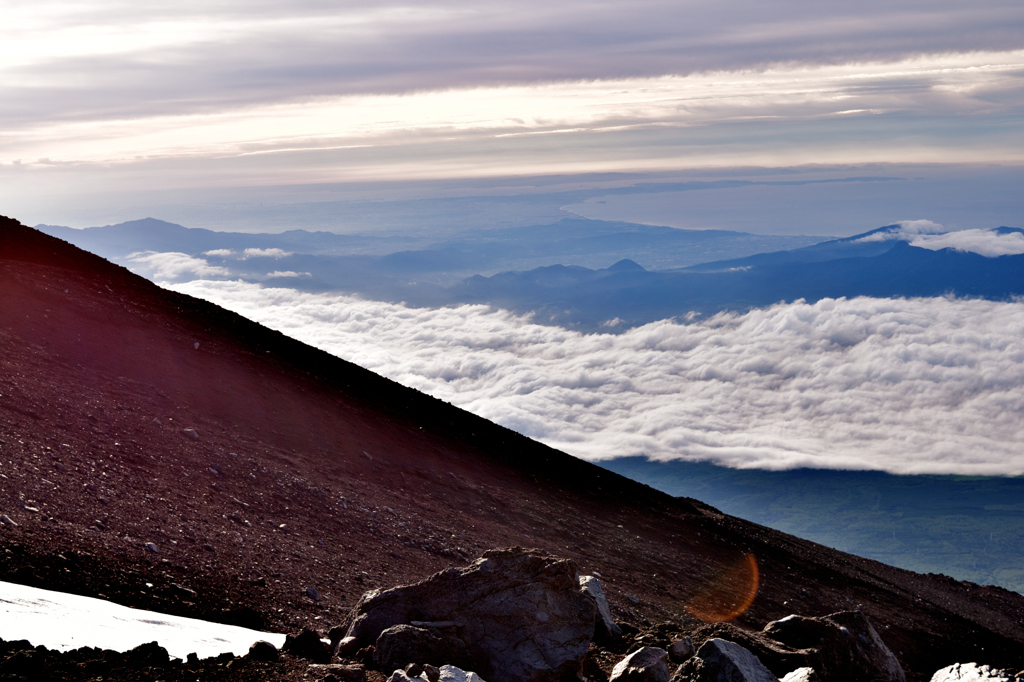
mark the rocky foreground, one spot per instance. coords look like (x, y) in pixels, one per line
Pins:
(513, 615)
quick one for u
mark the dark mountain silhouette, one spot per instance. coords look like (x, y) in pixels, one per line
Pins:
(587, 298)
(162, 452)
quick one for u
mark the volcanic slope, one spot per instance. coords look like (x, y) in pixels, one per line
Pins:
(161, 452)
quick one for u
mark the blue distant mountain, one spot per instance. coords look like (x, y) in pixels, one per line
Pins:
(848, 267)
(686, 270)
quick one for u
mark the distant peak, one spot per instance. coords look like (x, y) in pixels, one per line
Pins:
(626, 265)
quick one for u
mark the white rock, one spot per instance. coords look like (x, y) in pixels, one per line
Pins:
(801, 675)
(449, 673)
(969, 672)
(592, 586)
(719, 660)
(643, 665)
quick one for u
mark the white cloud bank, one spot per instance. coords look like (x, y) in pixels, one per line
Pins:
(171, 265)
(926, 234)
(906, 386)
(985, 242)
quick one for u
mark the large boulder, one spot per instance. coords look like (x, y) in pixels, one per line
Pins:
(775, 656)
(970, 672)
(848, 647)
(648, 664)
(719, 660)
(521, 613)
(606, 629)
(400, 645)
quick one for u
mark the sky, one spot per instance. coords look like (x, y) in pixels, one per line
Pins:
(107, 101)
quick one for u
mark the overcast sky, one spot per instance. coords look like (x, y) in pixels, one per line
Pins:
(103, 96)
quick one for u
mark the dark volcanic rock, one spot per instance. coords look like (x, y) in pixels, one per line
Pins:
(308, 645)
(848, 647)
(263, 651)
(401, 645)
(521, 613)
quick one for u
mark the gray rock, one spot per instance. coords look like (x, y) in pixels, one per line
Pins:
(520, 613)
(848, 647)
(7, 520)
(719, 660)
(649, 664)
(450, 673)
(401, 645)
(313, 594)
(191, 433)
(801, 675)
(403, 676)
(681, 649)
(606, 626)
(151, 546)
(970, 672)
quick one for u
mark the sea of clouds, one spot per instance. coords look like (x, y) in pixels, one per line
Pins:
(908, 386)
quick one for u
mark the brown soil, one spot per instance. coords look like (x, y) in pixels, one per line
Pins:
(304, 471)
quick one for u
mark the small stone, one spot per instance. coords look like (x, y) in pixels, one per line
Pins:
(263, 651)
(681, 649)
(432, 674)
(151, 546)
(414, 670)
(7, 520)
(801, 675)
(315, 596)
(191, 433)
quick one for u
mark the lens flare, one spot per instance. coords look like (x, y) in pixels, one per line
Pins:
(728, 593)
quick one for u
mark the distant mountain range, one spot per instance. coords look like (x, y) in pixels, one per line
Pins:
(870, 264)
(413, 268)
(548, 270)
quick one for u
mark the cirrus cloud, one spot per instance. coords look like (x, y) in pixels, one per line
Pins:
(906, 386)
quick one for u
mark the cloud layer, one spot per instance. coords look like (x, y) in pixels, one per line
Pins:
(933, 236)
(907, 386)
(142, 60)
(107, 96)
